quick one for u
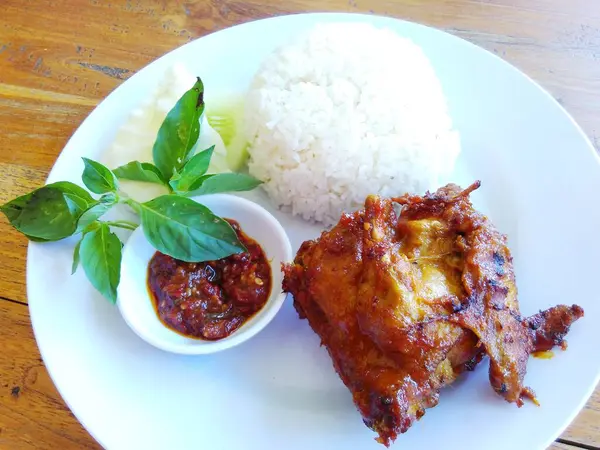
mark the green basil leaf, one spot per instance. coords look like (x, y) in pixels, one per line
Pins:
(91, 215)
(92, 226)
(36, 239)
(98, 178)
(199, 182)
(76, 194)
(100, 254)
(109, 198)
(49, 213)
(75, 263)
(179, 132)
(138, 171)
(194, 169)
(223, 182)
(107, 201)
(186, 230)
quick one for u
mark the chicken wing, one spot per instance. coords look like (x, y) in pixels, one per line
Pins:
(406, 302)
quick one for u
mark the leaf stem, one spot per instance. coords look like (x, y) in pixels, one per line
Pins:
(122, 224)
(132, 204)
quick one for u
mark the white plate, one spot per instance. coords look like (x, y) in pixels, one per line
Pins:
(279, 391)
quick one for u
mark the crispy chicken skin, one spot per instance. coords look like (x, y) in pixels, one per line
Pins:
(551, 326)
(406, 302)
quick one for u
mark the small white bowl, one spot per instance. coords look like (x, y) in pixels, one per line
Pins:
(137, 307)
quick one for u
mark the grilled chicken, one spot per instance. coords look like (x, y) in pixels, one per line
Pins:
(406, 302)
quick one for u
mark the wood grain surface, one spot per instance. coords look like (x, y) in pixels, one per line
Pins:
(59, 58)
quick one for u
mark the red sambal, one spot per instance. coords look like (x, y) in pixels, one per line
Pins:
(210, 300)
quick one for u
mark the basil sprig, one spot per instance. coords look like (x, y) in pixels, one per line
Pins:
(138, 171)
(174, 224)
(179, 132)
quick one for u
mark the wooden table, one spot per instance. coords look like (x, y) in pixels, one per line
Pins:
(59, 58)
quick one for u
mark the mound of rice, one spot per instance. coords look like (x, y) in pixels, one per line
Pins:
(344, 111)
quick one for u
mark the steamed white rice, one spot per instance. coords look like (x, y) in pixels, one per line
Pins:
(345, 111)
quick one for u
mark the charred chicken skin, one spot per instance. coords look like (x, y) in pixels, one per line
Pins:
(405, 302)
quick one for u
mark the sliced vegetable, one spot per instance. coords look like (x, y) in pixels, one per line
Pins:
(225, 117)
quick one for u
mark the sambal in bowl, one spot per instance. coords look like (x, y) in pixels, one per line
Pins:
(204, 307)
